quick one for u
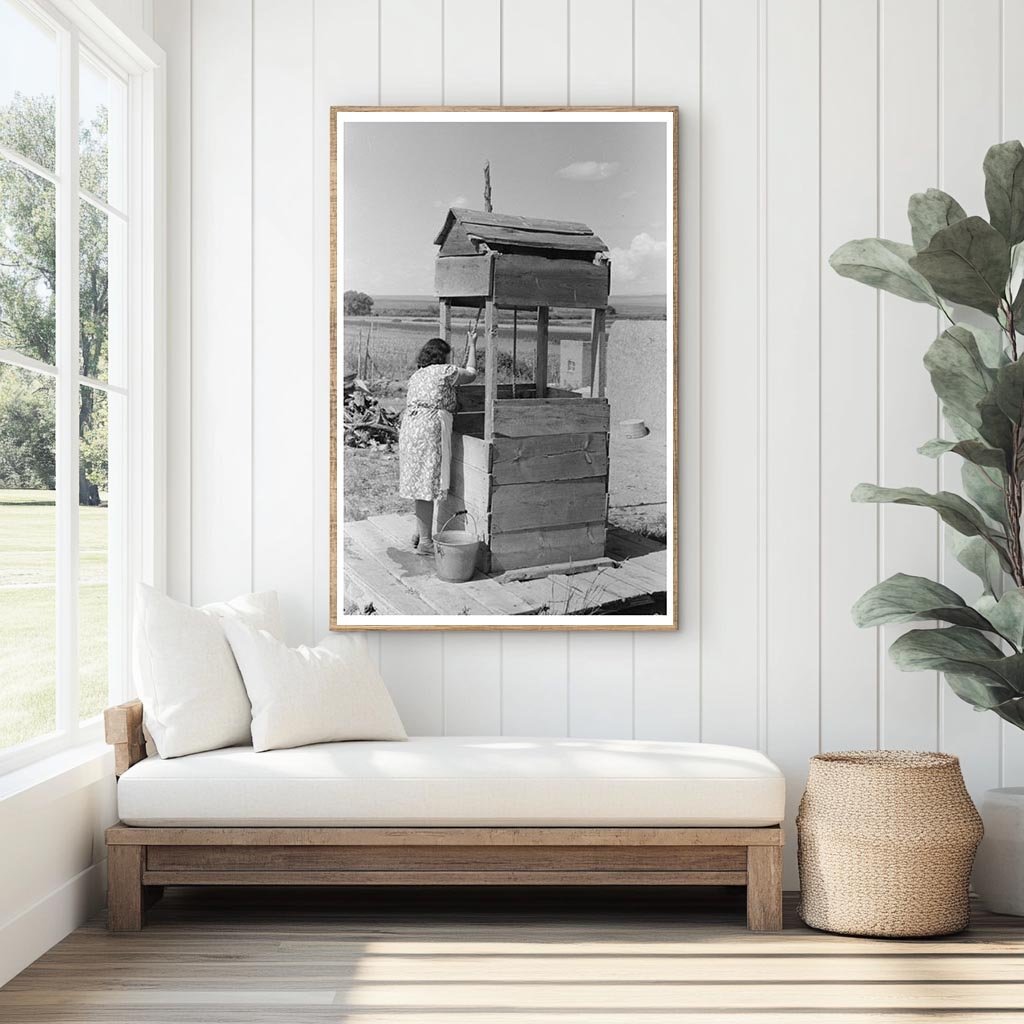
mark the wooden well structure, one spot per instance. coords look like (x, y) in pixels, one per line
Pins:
(529, 461)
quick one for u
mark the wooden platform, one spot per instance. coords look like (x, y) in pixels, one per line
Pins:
(596, 956)
(382, 571)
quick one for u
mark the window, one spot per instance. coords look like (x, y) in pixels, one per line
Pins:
(72, 404)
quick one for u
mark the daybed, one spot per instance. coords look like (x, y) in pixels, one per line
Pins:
(444, 811)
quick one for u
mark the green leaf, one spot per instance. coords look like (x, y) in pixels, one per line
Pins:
(883, 264)
(1017, 308)
(984, 486)
(1009, 390)
(952, 509)
(929, 212)
(1016, 278)
(964, 517)
(1011, 711)
(984, 695)
(1006, 614)
(973, 451)
(996, 428)
(990, 345)
(903, 598)
(964, 652)
(1015, 285)
(958, 372)
(976, 555)
(1004, 189)
(967, 263)
(961, 429)
(943, 650)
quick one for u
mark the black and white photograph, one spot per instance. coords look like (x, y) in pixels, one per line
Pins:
(503, 347)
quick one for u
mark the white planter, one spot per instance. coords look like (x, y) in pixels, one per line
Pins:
(999, 867)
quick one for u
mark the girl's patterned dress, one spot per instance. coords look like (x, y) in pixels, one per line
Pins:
(431, 390)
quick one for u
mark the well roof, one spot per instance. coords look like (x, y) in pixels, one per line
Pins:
(502, 230)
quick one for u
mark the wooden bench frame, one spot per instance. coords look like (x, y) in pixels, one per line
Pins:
(142, 860)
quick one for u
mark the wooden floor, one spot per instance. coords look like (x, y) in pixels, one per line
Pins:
(598, 956)
(382, 570)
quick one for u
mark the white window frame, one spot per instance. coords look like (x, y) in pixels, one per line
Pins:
(140, 64)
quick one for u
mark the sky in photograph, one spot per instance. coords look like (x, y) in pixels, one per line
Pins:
(401, 178)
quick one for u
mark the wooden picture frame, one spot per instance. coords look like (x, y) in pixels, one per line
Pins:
(549, 557)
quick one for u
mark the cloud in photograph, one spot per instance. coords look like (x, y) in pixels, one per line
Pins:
(588, 170)
(630, 194)
(442, 204)
(641, 267)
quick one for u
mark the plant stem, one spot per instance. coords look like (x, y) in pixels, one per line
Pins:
(1012, 495)
(1013, 510)
(1011, 330)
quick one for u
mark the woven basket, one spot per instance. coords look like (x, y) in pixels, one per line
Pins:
(886, 840)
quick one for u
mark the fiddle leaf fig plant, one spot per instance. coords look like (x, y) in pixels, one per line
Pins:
(977, 372)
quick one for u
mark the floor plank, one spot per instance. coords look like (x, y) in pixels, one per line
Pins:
(365, 576)
(498, 957)
(388, 573)
(413, 571)
(498, 599)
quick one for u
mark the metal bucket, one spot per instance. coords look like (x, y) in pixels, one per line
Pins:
(455, 551)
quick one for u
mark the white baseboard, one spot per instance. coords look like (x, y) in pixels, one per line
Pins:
(26, 937)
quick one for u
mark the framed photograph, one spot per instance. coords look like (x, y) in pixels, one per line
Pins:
(504, 312)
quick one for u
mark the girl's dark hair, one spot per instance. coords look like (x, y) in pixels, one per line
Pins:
(434, 351)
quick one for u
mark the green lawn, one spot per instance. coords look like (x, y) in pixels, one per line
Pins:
(28, 524)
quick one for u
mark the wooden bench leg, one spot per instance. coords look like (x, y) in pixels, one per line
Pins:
(125, 896)
(764, 888)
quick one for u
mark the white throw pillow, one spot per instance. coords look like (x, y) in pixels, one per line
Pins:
(309, 694)
(192, 693)
(348, 644)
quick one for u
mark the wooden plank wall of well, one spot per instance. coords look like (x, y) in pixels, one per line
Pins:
(548, 500)
(533, 500)
(804, 123)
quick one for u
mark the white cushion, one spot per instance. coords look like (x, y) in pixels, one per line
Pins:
(457, 780)
(345, 643)
(309, 694)
(191, 691)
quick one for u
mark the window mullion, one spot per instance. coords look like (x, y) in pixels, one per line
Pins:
(67, 386)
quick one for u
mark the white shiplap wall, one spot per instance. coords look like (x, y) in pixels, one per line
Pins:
(804, 123)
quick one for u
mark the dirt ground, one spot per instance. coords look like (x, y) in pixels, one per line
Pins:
(637, 483)
(371, 484)
(637, 382)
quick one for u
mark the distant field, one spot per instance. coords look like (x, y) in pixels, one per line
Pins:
(402, 323)
(644, 307)
(639, 307)
(28, 524)
(394, 345)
